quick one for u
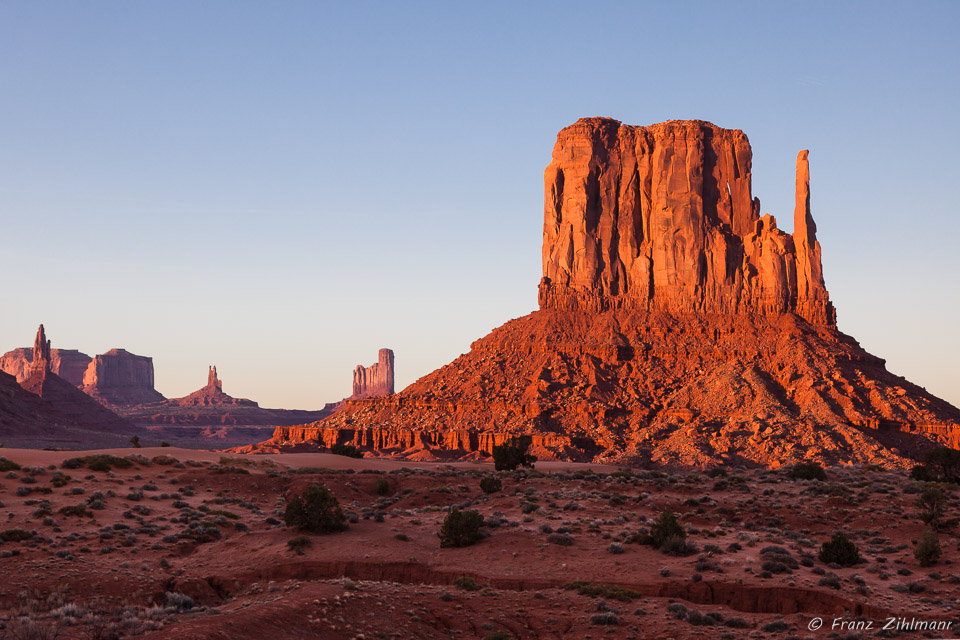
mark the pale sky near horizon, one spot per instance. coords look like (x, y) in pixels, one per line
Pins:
(280, 189)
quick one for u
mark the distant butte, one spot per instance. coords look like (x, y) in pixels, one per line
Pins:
(676, 325)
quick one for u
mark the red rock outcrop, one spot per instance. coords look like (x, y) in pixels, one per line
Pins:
(121, 378)
(662, 218)
(69, 364)
(676, 325)
(60, 414)
(210, 406)
(375, 380)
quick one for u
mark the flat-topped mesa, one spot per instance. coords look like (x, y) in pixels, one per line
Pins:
(119, 377)
(375, 380)
(662, 218)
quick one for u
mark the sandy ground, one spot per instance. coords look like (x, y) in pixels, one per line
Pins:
(198, 549)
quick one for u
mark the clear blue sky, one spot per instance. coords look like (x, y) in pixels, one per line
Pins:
(282, 188)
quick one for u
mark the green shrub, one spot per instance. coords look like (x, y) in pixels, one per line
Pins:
(927, 551)
(922, 473)
(135, 441)
(460, 528)
(381, 486)
(347, 450)
(100, 462)
(15, 535)
(605, 591)
(490, 484)
(664, 528)
(840, 550)
(8, 465)
(297, 544)
(807, 471)
(79, 510)
(164, 460)
(60, 481)
(513, 454)
(944, 463)
(466, 583)
(677, 546)
(317, 510)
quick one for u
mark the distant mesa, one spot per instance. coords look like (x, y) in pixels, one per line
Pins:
(211, 395)
(61, 414)
(375, 380)
(676, 325)
(69, 364)
(121, 378)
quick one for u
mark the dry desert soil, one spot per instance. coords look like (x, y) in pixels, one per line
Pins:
(192, 544)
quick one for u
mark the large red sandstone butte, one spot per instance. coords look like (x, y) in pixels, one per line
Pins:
(375, 380)
(121, 378)
(676, 325)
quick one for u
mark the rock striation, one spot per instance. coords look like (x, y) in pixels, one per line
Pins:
(662, 218)
(676, 325)
(121, 378)
(375, 380)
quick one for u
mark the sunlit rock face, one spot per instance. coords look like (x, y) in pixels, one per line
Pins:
(662, 218)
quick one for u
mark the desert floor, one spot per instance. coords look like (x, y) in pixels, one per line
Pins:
(192, 544)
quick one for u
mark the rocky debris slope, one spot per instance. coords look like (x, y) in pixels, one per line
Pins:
(375, 380)
(676, 325)
(121, 378)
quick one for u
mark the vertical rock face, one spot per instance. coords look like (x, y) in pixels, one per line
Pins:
(662, 218)
(375, 380)
(69, 364)
(121, 378)
(213, 381)
(41, 351)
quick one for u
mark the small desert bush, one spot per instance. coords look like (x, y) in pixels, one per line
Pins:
(605, 591)
(297, 544)
(15, 535)
(79, 510)
(466, 583)
(933, 504)
(381, 486)
(60, 481)
(347, 450)
(178, 601)
(513, 453)
(164, 460)
(606, 618)
(943, 464)
(840, 550)
(807, 471)
(317, 510)
(460, 528)
(927, 551)
(8, 465)
(667, 535)
(490, 484)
